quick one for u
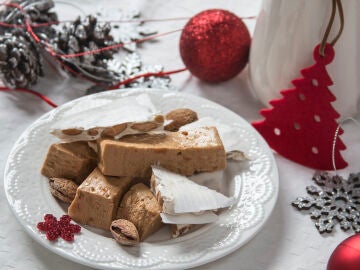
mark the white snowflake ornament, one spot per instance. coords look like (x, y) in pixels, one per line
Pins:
(128, 28)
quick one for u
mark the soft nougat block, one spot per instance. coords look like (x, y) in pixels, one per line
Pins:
(140, 207)
(73, 161)
(183, 152)
(97, 199)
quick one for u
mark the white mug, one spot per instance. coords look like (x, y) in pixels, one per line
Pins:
(286, 34)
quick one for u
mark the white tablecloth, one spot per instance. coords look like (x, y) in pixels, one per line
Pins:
(289, 239)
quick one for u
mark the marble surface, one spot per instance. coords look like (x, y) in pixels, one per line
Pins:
(289, 240)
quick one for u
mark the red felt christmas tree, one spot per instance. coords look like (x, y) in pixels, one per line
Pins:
(301, 125)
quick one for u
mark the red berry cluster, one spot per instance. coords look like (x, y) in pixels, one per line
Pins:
(55, 228)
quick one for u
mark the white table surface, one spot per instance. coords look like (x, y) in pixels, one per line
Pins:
(289, 239)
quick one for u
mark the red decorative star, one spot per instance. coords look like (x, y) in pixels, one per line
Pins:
(55, 228)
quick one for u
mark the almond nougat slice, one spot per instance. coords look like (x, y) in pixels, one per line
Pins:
(183, 152)
(73, 161)
(140, 207)
(97, 199)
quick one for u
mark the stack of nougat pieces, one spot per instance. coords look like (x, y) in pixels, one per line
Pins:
(112, 174)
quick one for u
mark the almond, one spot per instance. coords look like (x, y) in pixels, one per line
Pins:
(63, 189)
(114, 130)
(179, 118)
(124, 232)
(72, 131)
(144, 126)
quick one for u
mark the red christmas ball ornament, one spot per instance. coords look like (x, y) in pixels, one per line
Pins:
(214, 45)
(346, 255)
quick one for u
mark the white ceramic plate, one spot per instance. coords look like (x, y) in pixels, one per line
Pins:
(254, 184)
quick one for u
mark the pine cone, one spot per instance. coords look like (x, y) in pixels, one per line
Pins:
(85, 35)
(20, 63)
(38, 12)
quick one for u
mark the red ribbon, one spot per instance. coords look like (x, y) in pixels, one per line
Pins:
(29, 27)
(146, 75)
(43, 97)
(115, 46)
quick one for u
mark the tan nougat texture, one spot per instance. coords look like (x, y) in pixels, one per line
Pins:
(140, 207)
(73, 161)
(97, 199)
(183, 152)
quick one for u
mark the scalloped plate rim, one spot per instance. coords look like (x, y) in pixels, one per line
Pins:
(270, 203)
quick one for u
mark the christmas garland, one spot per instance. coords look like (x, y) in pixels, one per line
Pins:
(30, 31)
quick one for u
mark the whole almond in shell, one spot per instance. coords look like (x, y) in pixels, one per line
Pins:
(63, 189)
(124, 232)
(179, 118)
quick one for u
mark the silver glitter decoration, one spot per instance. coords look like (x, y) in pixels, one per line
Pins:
(130, 67)
(82, 35)
(334, 200)
(38, 11)
(108, 27)
(130, 28)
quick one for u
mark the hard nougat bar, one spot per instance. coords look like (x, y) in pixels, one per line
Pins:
(183, 152)
(140, 207)
(97, 199)
(73, 161)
